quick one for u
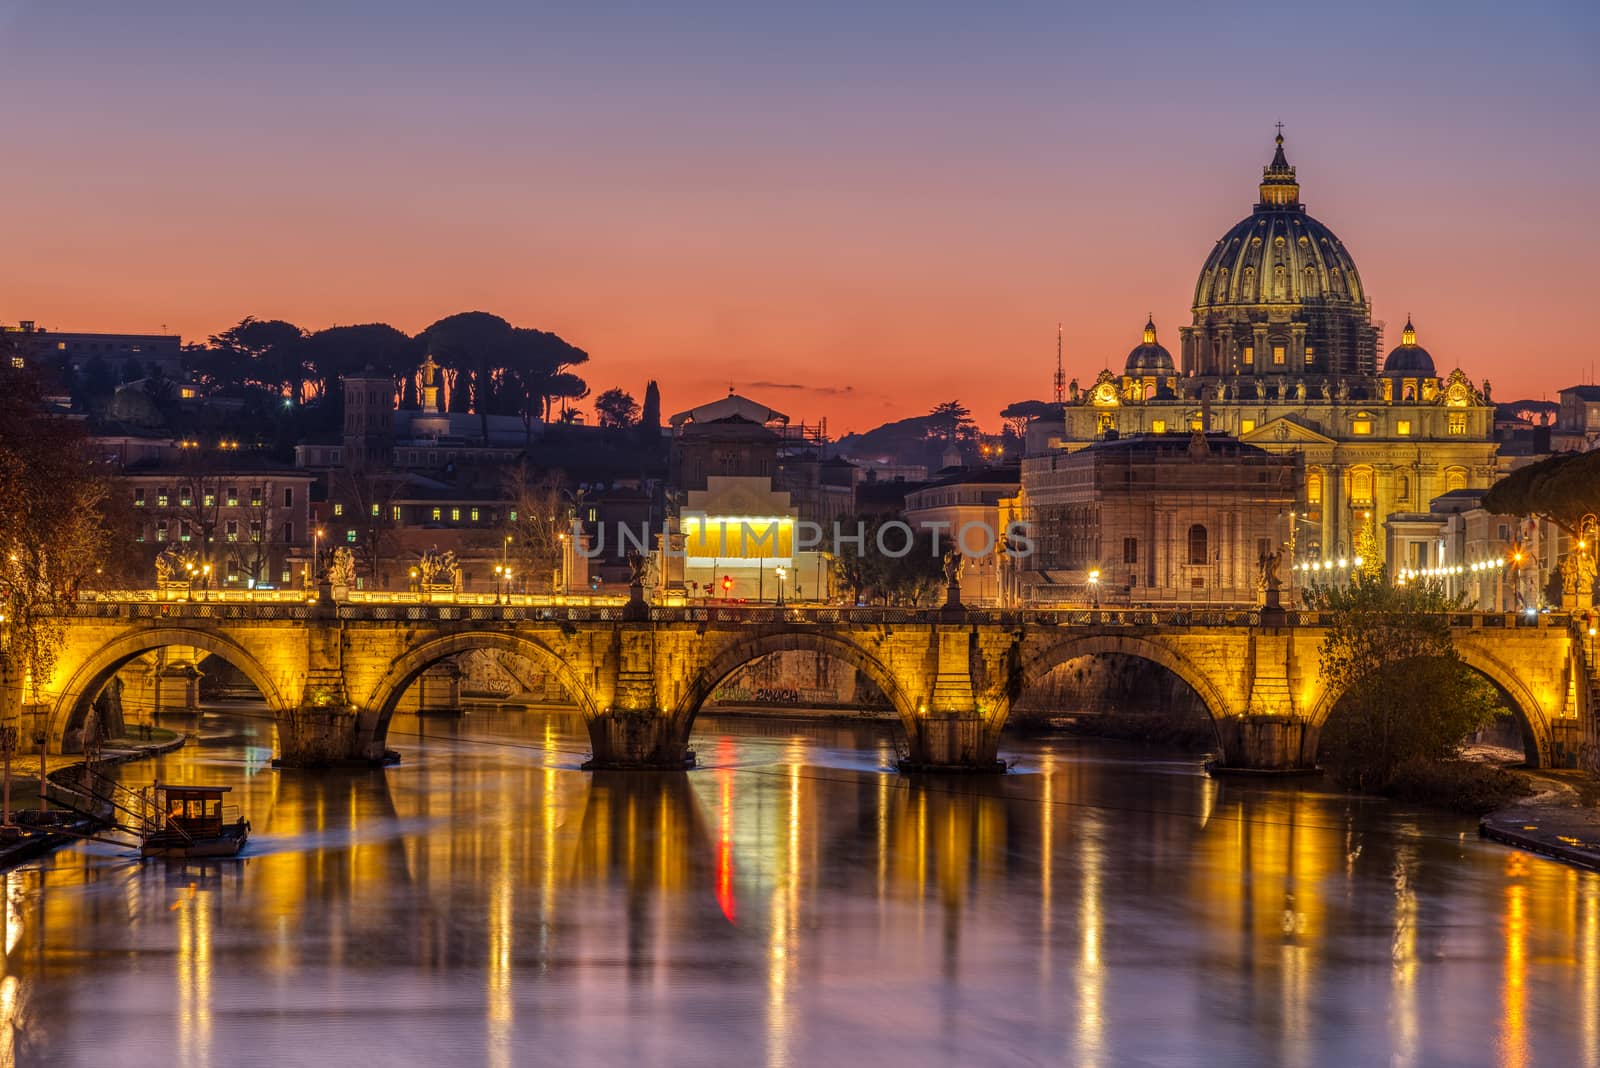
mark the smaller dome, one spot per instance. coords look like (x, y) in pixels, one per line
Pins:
(1148, 357)
(1408, 357)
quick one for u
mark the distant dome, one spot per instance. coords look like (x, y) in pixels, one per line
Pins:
(1409, 358)
(1149, 358)
(1279, 265)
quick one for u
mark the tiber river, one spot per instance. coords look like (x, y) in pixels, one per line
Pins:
(793, 903)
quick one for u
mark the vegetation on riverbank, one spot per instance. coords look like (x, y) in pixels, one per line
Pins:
(1408, 700)
(1470, 787)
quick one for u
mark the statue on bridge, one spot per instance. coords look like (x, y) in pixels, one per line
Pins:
(175, 567)
(1270, 579)
(340, 568)
(439, 572)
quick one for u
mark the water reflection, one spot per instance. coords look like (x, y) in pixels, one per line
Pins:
(790, 904)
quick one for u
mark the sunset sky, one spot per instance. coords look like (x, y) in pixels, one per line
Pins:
(846, 210)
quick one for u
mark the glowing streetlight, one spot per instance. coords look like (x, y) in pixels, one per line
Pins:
(780, 572)
(1094, 587)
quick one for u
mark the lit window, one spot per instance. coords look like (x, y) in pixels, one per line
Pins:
(183, 531)
(338, 510)
(1246, 425)
(161, 531)
(1277, 355)
(1311, 355)
(513, 515)
(474, 515)
(185, 497)
(350, 536)
(436, 515)
(1158, 426)
(233, 496)
(1458, 423)
(374, 509)
(255, 496)
(138, 498)
(161, 497)
(233, 530)
(394, 513)
(1403, 428)
(1314, 488)
(255, 531)
(1249, 355)
(1455, 479)
(210, 499)
(1361, 484)
(1361, 426)
(455, 515)
(1194, 424)
(16, 362)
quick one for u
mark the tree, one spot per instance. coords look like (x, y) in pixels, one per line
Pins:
(1562, 489)
(368, 497)
(535, 527)
(650, 417)
(617, 409)
(1406, 693)
(262, 352)
(52, 537)
(951, 423)
(1020, 414)
(909, 573)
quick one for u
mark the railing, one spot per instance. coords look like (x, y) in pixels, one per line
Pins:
(548, 611)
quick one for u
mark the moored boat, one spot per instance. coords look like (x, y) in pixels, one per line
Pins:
(191, 821)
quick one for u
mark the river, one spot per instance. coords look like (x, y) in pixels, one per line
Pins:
(793, 903)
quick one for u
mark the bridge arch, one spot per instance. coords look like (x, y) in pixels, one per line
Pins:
(748, 649)
(379, 707)
(1525, 707)
(72, 705)
(1067, 649)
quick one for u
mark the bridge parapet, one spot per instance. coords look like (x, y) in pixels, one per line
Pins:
(340, 667)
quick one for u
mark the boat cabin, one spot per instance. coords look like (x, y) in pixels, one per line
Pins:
(196, 810)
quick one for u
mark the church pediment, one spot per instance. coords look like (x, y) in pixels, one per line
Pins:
(1282, 430)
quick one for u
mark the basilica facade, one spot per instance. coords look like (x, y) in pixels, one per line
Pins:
(1282, 354)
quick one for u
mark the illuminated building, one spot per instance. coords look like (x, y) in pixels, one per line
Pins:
(735, 526)
(1156, 518)
(1281, 353)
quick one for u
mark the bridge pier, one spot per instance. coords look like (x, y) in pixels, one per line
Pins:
(1267, 743)
(953, 742)
(628, 739)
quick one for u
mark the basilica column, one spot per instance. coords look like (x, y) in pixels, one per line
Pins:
(1332, 509)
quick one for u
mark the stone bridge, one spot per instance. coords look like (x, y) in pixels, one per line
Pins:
(332, 673)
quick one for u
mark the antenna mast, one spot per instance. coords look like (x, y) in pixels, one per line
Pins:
(1061, 376)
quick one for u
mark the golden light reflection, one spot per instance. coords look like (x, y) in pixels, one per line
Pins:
(1514, 1034)
(1403, 953)
(784, 910)
(194, 977)
(1589, 964)
(1089, 1037)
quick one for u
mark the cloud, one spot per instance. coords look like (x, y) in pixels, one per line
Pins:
(827, 391)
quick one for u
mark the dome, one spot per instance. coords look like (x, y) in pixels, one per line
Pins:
(1409, 358)
(1149, 358)
(1282, 269)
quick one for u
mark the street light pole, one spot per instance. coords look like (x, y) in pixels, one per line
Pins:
(780, 572)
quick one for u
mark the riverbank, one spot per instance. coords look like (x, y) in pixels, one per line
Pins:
(25, 796)
(1560, 820)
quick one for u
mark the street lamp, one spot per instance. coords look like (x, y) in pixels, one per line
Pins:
(205, 573)
(1094, 587)
(190, 569)
(499, 581)
(316, 545)
(780, 572)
